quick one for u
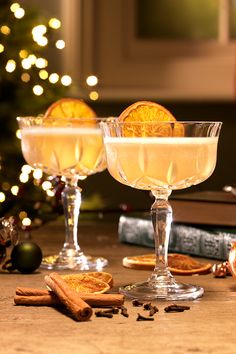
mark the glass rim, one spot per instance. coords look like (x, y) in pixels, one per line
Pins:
(117, 122)
(62, 118)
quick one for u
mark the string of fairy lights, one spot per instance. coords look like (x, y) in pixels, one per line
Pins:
(25, 61)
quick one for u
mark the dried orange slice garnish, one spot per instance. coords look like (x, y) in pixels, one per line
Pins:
(148, 112)
(69, 108)
(178, 264)
(86, 283)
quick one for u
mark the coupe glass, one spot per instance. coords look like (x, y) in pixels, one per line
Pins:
(72, 148)
(161, 157)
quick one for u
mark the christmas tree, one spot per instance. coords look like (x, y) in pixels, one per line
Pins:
(28, 85)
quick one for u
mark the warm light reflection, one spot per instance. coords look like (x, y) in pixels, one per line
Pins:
(26, 169)
(14, 190)
(19, 13)
(38, 90)
(50, 193)
(46, 185)
(43, 74)
(2, 197)
(38, 173)
(26, 63)
(23, 54)
(93, 95)
(42, 41)
(25, 77)
(38, 31)
(5, 186)
(24, 177)
(26, 222)
(66, 80)
(32, 58)
(54, 23)
(92, 80)
(5, 30)
(14, 6)
(10, 66)
(60, 44)
(18, 134)
(53, 78)
(23, 215)
(41, 63)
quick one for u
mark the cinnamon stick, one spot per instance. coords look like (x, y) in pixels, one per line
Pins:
(78, 308)
(37, 300)
(43, 297)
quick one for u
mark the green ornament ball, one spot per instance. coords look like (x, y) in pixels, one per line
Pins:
(26, 257)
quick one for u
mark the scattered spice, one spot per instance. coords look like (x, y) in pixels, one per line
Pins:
(137, 303)
(147, 306)
(124, 311)
(220, 270)
(143, 318)
(104, 314)
(176, 308)
(113, 310)
(153, 310)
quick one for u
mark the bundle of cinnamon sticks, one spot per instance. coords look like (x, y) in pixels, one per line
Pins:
(60, 294)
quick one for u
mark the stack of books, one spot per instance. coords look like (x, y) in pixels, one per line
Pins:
(204, 224)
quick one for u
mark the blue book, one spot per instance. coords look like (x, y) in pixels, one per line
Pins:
(204, 241)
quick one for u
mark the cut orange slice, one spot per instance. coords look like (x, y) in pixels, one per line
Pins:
(69, 108)
(178, 264)
(104, 276)
(143, 111)
(84, 283)
(148, 112)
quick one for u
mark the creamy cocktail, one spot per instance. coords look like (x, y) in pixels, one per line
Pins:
(72, 148)
(160, 156)
(163, 162)
(64, 151)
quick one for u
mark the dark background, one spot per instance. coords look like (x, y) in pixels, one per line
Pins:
(115, 194)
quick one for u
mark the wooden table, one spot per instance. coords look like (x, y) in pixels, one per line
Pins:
(208, 327)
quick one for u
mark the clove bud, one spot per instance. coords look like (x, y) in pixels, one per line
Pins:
(103, 314)
(124, 311)
(137, 303)
(143, 318)
(176, 308)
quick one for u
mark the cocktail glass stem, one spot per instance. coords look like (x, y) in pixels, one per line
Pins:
(71, 255)
(161, 213)
(71, 201)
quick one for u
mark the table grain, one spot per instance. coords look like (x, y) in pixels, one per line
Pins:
(208, 327)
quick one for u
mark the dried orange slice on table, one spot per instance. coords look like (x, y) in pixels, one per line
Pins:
(178, 263)
(147, 111)
(90, 282)
(104, 276)
(69, 108)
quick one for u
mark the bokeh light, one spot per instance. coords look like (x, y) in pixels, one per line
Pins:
(66, 80)
(54, 23)
(92, 80)
(38, 90)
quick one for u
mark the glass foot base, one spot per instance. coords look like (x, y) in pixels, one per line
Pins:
(174, 291)
(57, 262)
